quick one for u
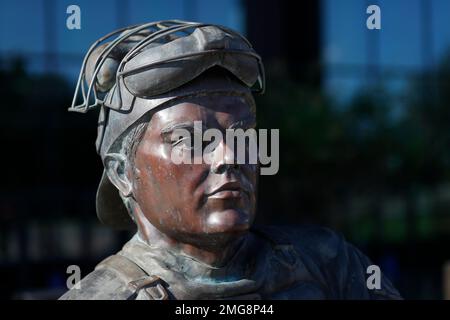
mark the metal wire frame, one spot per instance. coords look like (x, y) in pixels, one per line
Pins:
(179, 26)
(132, 30)
(123, 74)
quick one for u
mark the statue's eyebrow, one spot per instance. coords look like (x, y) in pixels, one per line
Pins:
(188, 125)
(249, 122)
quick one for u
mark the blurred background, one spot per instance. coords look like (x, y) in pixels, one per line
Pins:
(364, 123)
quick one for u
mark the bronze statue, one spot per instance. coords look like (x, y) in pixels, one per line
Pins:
(195, 236)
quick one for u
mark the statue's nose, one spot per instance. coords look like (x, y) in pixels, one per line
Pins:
(223, 158)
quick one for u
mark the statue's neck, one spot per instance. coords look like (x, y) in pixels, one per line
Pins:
(212, 256)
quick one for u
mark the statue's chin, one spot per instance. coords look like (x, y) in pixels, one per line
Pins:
(227, 221)
(220, 228)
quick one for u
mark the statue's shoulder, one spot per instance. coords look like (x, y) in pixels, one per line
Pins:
(320, 242)
(323, 247)
(111, 280)
(337, 264)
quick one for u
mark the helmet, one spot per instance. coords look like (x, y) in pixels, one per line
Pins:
(131, 71)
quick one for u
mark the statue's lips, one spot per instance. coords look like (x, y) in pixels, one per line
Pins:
(228, 190)
(226, 194)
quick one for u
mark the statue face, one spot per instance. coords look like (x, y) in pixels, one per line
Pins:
(203, 204)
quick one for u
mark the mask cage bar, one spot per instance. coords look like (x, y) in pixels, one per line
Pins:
(122, 74)
(151, 38)
(165, 32)
(85, 106)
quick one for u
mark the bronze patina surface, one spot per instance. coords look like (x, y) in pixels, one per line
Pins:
(195, 235)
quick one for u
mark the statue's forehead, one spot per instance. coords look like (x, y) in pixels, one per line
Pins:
(205, 108)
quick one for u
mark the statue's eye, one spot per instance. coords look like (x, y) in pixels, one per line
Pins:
(193, 142)
(185, 142)
(187, 139)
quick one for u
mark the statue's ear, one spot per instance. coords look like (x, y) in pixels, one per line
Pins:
(116, 169)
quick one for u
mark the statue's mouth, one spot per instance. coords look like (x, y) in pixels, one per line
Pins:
(227, 194)
(228, 190)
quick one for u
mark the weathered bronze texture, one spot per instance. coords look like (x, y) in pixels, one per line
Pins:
(195, 236)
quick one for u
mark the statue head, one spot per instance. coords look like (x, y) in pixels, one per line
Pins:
(149, 82)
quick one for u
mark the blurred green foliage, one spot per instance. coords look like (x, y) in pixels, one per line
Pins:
(347, 165)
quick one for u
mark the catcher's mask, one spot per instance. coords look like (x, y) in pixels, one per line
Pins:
(131, 71)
